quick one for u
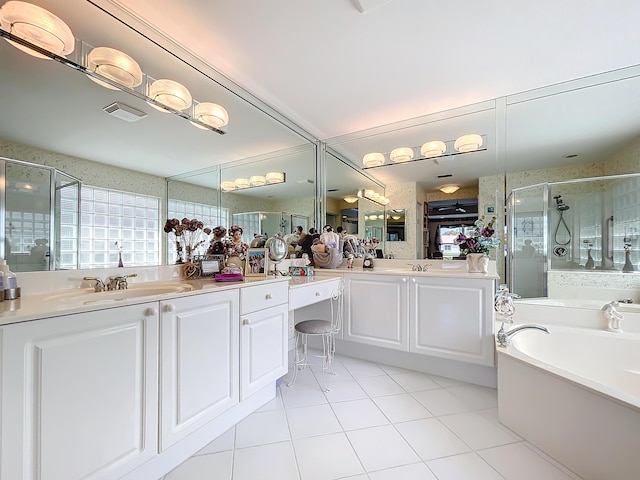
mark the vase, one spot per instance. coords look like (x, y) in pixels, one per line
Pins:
(477, 263)
(628, 266)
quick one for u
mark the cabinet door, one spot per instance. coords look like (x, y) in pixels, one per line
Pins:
(452, 319)
(79, 394)
(377, 310)
(263, 348)
(199, 361)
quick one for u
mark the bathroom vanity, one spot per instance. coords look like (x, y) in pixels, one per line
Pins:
(130, 385)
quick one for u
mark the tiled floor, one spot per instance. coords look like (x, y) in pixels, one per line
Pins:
(379, 423)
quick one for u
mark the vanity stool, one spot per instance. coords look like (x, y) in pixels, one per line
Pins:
(327, 329)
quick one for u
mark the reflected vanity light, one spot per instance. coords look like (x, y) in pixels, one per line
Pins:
(449, 188)
(435, 150)
(253, 181)
(350, 199)
(401, 155)
(373, 196)
(37, 26)
(170, 93)
(114, 65)
(468, 143)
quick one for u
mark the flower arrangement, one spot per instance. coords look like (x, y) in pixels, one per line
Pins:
(482, 239)
(190, 234)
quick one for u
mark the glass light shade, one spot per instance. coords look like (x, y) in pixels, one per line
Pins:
(468, 143)
(274, 177)
(170, 93)
(228, 186)
(242, 182)
(373, 159)
(114, 65)
(38, 26)
(384, 201)
(373, 217)
(210, 113)
(449, 188)
(396, 217)
(402, 154)
(433, 149)
(257, 180)
(368, 193)
(350, 199)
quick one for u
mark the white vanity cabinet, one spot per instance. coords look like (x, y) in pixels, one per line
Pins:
(263, 336)
(79, 394)
(376, 310)
(453, 319)
(199, 361)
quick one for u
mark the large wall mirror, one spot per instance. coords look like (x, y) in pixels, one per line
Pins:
(559, 219)
(54, 116)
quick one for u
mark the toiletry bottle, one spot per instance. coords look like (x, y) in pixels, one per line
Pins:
(10, 282)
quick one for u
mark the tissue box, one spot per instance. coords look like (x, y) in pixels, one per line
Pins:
(306, 271)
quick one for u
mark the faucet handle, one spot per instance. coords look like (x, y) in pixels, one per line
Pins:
(99, 286)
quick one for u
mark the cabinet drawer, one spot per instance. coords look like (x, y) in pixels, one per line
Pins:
(313, 293)
(259, 297)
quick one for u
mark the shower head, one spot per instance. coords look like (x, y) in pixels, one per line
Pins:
(560, 205)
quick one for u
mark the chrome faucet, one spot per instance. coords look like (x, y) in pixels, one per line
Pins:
(99, 286)
(504, 337)
(119, 282)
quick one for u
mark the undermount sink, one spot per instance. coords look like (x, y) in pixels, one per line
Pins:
(88, 296)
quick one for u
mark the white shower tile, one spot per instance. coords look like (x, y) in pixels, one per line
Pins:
(344, 390)
(440, 402)
(476, 396)
(414, 381)
(302, 395)
(364, 369)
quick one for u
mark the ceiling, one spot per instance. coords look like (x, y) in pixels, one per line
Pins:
(334, 70)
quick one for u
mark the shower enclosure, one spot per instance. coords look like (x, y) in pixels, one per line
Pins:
(268, 223)
(39, 215)
(586, 224)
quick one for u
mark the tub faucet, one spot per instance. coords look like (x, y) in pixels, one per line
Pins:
(613, 316)
(504, 337)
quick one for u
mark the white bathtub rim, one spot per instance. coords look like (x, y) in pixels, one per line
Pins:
(625, 398)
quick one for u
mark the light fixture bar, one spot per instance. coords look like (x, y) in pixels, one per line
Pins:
(232, 185)
(418, 156)
(77, 65)
(373, 196)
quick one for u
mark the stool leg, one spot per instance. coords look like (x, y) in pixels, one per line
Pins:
(296, 359)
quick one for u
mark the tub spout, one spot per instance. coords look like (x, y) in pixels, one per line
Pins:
(504, 337)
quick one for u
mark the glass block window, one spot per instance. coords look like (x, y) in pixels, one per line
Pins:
(210, 215)
(110, 216)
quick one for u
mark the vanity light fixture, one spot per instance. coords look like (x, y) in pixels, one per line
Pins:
(170, 93)
(275, 177)
(253, 181)
(373, 196)
(241, 183)
(257, 180)
(373, 159)
(433, 149)
(210, 113)
(436, 150)
(114, 65)
(401, 155)
(37, 26)
(468, 143)
(228, 186)
(350, 199)
(396, 217)
(448, 189)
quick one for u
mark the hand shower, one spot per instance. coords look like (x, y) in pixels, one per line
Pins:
(561, 207)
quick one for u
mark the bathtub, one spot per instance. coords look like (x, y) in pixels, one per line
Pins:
(575, 394)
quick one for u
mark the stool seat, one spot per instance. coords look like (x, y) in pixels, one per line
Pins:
(325, 329)
(314, 327)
